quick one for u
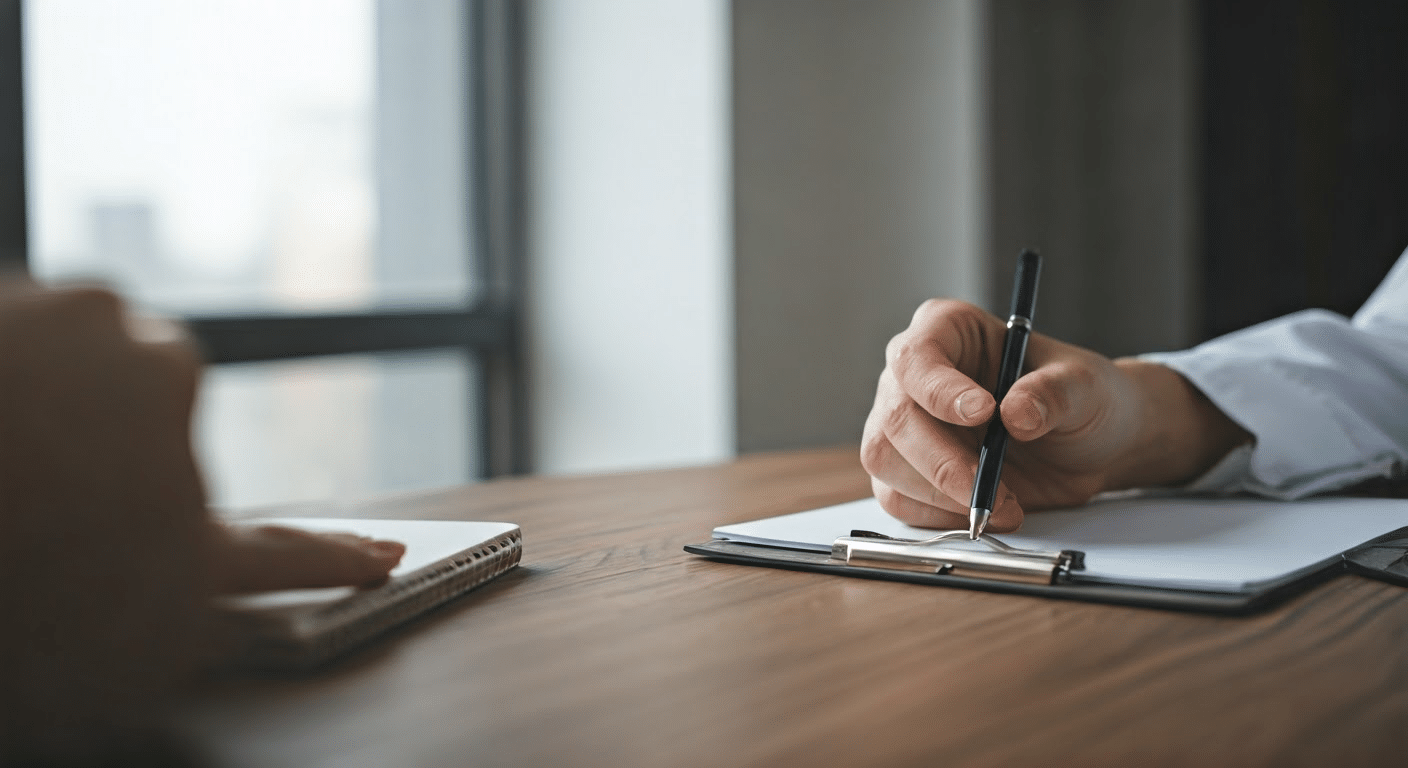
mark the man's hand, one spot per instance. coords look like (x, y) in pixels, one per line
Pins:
(1080, 423)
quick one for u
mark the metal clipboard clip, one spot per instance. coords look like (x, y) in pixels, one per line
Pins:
(953, 553)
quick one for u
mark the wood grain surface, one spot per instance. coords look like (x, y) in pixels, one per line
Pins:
(612, 647)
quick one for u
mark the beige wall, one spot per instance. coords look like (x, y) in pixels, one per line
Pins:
(858, 173)
(886, 151)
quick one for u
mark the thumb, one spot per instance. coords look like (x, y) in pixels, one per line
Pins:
(1059, 396)
(262, 558)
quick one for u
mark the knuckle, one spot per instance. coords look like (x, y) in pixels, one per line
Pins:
(948, 312)
(80, 314)
(900, 351)
(91, 301)
(172, 373)
(1080, 374)
(896, 420)
(929, 391)
(883, 385)
(929, 309)
(874, 450)
(896, 504)
(1083, 378)
(888, 498)
(936, 308)
(905, 355)
(1065, 378)
(948, 475)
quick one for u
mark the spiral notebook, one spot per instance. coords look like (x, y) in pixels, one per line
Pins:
(302, 628)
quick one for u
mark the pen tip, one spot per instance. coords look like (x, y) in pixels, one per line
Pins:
(977, 521)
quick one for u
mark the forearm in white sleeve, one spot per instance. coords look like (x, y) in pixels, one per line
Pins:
(1325, 397)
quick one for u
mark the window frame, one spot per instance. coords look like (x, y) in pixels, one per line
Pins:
(488, 331)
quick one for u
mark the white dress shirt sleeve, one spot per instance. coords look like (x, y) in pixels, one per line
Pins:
(1325, 397)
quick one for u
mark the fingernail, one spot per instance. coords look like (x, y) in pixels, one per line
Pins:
(1031, 415)
(969, 404)
(384, 550)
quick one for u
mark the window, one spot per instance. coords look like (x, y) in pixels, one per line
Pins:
(324, 190)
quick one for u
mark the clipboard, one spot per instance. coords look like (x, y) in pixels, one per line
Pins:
(992, 565)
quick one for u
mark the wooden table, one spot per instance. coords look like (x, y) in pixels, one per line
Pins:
(610, 646)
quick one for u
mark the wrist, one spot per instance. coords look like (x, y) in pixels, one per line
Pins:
(1181, 434)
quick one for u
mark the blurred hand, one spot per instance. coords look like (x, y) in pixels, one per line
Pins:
(107, 552)
(256, 559)
(1080, 423)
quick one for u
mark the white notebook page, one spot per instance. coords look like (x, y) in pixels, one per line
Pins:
(1216, 545)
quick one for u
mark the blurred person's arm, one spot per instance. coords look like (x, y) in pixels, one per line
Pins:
(1299, 405)
(108, 556)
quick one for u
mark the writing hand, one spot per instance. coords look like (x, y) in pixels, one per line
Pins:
(1080, 423)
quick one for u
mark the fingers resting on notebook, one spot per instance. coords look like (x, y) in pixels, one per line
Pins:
(256, 559)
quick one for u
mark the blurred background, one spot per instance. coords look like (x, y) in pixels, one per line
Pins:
(425, 242)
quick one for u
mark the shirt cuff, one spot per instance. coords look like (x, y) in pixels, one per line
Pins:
(1306, 441)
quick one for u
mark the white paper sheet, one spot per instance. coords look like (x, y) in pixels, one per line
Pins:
(1215, 545)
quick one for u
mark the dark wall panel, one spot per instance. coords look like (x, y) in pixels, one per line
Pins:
(13, 233)
(1305, 175)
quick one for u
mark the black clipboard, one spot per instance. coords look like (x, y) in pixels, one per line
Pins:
(1384, 558)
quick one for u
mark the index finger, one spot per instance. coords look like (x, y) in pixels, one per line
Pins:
(268, 557)
(935, 359)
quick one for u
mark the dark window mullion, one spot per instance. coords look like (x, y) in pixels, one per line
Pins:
(276, 337)
(496, 117)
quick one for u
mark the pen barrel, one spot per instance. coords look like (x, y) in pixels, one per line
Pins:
(1024, 288)
(989, 465)
(1014, 353)
(990, 456)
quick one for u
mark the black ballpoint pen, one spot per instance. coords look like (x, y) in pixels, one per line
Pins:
(1014, 352)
